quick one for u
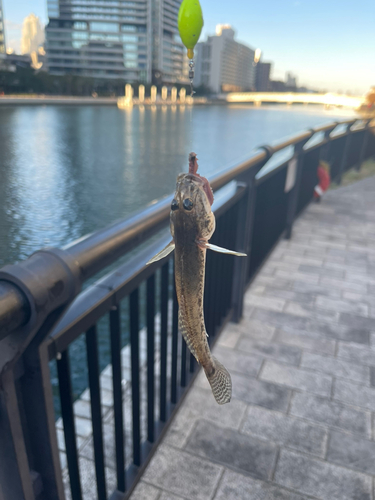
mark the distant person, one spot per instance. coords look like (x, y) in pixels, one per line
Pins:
(324, 180)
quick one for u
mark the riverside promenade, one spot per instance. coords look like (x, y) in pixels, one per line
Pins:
(301, 424)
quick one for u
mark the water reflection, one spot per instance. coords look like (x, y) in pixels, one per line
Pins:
(67, 171)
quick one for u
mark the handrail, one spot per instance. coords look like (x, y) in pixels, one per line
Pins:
(324, 128)
(294, 140)
(101, 248)
(41, 309)
(14, 308)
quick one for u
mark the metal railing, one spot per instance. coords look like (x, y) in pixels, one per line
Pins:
(42, 314)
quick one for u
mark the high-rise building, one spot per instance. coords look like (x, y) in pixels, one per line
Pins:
(290, 80)
(224, 65)
(2, 32)
(99, 38)
(169, 60)
(262, 79)
(127, 39)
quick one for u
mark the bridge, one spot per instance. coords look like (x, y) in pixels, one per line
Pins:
(327, 99)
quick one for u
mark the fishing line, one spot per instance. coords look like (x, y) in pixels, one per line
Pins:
(191, 126)
(190, 23)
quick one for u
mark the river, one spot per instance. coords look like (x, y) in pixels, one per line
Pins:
(68, 171)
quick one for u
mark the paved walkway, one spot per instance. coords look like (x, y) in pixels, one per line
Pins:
(301, 423)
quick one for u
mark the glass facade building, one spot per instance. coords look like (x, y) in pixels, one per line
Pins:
(127, 39)
(2, 32)
(169, 61)
(99, 38)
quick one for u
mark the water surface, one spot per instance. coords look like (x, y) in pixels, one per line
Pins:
(67, 171)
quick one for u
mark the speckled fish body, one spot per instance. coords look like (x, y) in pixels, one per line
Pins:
(187, 228)
(192, 225)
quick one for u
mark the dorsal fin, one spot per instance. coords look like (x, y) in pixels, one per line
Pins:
(193, 169)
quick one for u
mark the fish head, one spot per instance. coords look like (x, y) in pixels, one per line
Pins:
(191, 207)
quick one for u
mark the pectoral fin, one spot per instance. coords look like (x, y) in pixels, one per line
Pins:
(163, 253)
(224, 250)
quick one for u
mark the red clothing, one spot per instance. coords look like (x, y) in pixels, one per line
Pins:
(324, 181)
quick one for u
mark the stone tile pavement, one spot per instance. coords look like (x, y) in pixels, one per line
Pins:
(301, 424)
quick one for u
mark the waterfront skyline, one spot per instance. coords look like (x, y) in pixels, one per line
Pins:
(326, 45)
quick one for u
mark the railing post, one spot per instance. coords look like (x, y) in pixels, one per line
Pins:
(345, 153)
(294, 192)
(15, 477)
(366, 134)
(29, 458)
(39, 413)
(245, 225)
(325, 150)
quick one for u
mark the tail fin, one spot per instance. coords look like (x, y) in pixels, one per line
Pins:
(220, 382)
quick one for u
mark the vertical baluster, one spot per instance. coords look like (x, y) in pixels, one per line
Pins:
(216, 279)
(232, 215)
(224, 264)
(65, 389)
(96, 415)
(295, 191)
(192, 363)
(115, 327)
(183, 363)
(151, 358)
(134, 349)
(362, 153)
(174, 346)
(209, 293)
(244, 228)
(163, 341)
(345, 153)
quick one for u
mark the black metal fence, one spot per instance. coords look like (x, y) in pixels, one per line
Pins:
(41, 315)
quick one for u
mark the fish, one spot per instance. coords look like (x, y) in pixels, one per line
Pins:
(192, 224)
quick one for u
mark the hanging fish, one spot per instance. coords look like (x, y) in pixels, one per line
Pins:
(190, 24)
(192, 224)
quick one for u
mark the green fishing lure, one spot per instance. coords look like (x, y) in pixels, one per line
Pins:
(190, 24)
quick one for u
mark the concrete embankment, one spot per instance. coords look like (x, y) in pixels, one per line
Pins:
(57, 100)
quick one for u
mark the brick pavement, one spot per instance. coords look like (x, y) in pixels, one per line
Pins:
(301, 424)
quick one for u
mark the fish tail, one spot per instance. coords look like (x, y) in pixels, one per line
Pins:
(220, 382)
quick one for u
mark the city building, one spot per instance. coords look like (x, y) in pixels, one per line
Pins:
(128, 39)
(96, 38)
(290, 80)
(223, 64)
(169, 59)
(262, 79)
(2, 33)
(32, 40)
(277, 86)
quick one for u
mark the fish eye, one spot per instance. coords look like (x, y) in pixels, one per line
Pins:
(188, 204)
(174, 205)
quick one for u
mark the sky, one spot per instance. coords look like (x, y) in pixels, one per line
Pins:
(328, 44)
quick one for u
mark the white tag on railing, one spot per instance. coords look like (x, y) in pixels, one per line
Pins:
(291, 175)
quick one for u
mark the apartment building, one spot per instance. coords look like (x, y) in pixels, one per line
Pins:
(223, 64)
